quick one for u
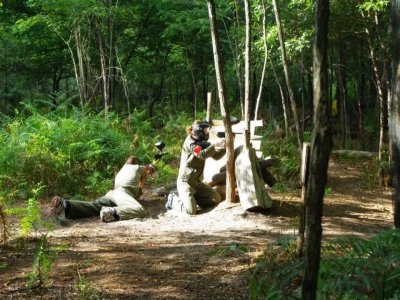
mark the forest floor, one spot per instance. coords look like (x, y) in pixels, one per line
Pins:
(167, 256)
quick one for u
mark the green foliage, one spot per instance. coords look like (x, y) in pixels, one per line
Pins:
(364, 269)
(369, 177)
(286, 158)
(374, 5)
(173, 133)
(86, 289)
(232, 248)
(70, 152)
(277, 272)
(31, 217)
(350, 268)
(3, 265)
(44, 258)
(328, 191)
(3, 222)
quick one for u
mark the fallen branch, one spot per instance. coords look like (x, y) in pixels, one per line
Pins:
(354, 153)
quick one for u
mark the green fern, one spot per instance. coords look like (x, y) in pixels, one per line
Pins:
(350, 268)
(31, 218)
(44, 259)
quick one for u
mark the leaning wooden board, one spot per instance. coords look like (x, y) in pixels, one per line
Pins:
(249, 181)
(213, 166)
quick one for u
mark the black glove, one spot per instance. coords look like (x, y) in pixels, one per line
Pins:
(203, 144)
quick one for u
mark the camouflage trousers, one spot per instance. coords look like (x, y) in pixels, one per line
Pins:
(126, 205)
(194, 194)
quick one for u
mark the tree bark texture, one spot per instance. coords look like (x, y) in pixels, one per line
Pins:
(264, 64)
(287, 77)
(283, 99)
(395, 108)
(81, 77)
(341, 92)
(230, 167)
(238, 64)
(380, 88)
(319, 153)
(247, 67)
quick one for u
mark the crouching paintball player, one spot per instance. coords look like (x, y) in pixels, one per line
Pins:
(192, 192)
(120, 203)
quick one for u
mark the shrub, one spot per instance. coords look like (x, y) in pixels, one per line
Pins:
(69, 151)
(350, 268)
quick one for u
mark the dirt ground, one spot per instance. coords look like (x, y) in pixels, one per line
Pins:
(169, 256)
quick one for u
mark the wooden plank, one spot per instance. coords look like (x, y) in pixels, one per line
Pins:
(250, 185)
(240, 136)
(256, 144)
(213, 166)
(268, 178)
(239, 141)
(237, 128)
(209, 108)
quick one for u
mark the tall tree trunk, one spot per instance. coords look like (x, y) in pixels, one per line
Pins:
(247, 70)
(361, 96)
(303, 96)
(319, 154)
(395, 108)
(193, 77)
(103, 71)
(161, 86)
(81, 78)
(379, 86)
(342, 99)
(238, 65)
(265, 63)
(230, 167)
(124, 84)
(287, 77)
(283, 99)
(111, 55)
(386, 90)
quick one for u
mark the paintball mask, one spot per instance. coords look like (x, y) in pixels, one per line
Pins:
(200, 130)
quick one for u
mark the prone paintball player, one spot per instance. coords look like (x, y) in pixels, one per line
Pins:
(119, 203)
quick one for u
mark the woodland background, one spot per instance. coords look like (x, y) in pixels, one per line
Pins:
(85, 83)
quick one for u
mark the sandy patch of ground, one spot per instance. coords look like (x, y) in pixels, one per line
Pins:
(168, 256)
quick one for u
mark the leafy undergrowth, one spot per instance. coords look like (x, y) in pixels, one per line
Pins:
(350, 268)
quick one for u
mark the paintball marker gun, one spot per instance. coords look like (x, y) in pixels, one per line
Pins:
(221, 134)
(203, 144)
(160, 146)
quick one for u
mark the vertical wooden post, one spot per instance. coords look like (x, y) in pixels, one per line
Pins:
(208, 117)
(304, 175)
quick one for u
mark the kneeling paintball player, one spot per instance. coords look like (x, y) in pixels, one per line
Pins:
(192, 192)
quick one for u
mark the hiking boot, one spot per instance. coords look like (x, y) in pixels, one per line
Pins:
(108, 214)
(57, 206)
(170, 200)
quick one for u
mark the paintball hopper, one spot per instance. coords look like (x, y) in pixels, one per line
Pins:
(160, 145)
(234, 120)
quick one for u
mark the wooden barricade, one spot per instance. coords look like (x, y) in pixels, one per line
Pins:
(249, 176)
